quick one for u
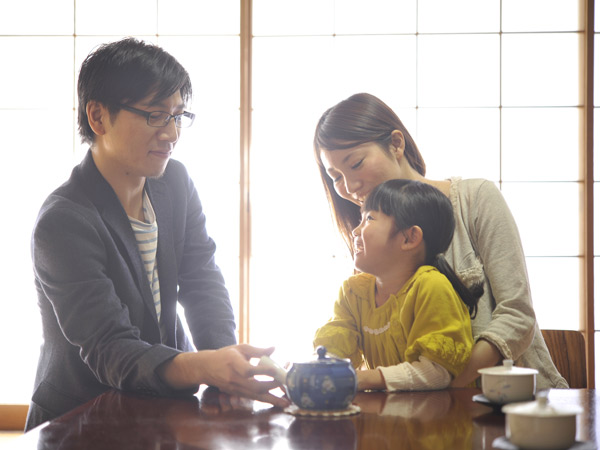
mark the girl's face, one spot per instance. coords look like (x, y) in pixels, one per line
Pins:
(357, 170)
(373, 238)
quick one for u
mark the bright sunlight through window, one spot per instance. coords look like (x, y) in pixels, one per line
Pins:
(482, 85)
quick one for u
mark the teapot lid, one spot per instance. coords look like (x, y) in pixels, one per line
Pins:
(541, 408)
(327, 358)
(507, 368)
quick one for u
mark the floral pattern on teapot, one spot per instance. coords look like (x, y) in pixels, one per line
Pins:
(328, 383)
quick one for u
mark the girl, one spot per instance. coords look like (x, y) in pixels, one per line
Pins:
(403, 316)
(360, 143)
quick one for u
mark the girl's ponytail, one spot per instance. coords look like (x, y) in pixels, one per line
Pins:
(469, 296)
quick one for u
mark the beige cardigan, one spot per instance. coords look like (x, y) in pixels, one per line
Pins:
(487, 246)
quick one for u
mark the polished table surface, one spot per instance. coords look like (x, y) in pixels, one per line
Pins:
(447, 419)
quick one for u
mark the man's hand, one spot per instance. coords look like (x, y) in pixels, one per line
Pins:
(228, 369)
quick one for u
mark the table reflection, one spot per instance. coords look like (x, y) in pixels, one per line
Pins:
(423, 420)
(219, 420)
(213, 420)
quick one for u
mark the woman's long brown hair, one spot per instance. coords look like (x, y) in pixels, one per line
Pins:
(357, 120)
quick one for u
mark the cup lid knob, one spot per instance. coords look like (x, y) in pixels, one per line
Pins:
(507, 363)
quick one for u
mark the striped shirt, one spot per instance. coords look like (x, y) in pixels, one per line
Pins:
(146, 235)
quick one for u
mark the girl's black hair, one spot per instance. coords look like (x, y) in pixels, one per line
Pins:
(411, 203)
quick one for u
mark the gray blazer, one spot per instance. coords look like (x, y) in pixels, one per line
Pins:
(99, 322)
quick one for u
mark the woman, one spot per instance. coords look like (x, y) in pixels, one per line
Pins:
(360, 143)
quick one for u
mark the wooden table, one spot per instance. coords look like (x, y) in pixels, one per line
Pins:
(448, 419)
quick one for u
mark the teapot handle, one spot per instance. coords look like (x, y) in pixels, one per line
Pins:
(280, 373)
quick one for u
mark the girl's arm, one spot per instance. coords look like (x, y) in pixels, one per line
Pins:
(419, 375)
(340, 335)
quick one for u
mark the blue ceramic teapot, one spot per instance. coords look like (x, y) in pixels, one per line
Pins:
(327, 383)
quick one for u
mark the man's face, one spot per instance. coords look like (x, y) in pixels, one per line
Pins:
(131, 148)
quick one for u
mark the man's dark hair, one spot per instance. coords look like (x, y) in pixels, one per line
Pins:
(125, 72)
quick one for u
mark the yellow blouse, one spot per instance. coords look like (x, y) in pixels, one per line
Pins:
(426, 318)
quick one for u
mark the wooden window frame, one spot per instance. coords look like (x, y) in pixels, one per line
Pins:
(587, 196)
(12, 417)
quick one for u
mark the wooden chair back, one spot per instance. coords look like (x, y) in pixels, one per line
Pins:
(567, 349)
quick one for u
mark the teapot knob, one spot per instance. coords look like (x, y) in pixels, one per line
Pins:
(321, 351)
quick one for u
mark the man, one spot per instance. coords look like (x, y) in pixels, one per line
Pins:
(122, 241)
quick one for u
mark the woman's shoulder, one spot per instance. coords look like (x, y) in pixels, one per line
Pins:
(469, 186)
(474, 193)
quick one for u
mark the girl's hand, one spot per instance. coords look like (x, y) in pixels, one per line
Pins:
(370, 379)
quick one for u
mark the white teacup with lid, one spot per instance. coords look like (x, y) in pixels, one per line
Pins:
(540, 425)
(508, 383)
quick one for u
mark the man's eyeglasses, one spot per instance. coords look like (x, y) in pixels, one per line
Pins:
(159, 119)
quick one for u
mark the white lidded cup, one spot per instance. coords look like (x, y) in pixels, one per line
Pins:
(540, 425)
(508, 383)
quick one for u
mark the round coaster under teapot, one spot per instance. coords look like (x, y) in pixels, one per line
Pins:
(295, 411)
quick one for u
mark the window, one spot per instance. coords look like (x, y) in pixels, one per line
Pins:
(37, 109)
(488, 88)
